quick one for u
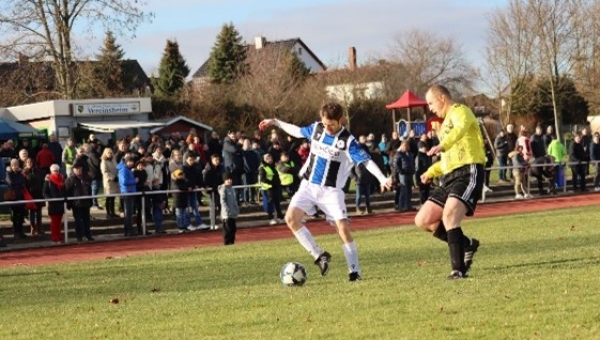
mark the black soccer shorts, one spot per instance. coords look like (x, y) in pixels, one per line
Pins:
(464, 183)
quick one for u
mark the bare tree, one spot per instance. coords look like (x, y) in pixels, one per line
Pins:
(44, 29)
(425, 58)
(534, 40)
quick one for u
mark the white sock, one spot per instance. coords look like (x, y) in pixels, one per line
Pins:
(306, 239)
(351, 254)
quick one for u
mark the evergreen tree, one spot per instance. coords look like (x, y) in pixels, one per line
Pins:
(228, 56)
(298, 70)
(172, 71)
(108, 71)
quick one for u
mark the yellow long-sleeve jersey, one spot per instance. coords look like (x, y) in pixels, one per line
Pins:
(460, 136)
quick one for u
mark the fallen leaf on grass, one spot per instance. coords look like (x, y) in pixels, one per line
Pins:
(572, 228)
(421, 263)
(155, 290)
(114, 301)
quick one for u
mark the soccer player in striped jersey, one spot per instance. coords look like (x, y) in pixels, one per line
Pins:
(333, 153)
(462, 177)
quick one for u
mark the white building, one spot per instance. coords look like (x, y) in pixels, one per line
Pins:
(78, 117)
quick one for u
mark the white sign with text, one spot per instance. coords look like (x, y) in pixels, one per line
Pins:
(124, 108)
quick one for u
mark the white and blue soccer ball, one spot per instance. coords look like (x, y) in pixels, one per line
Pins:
(293, 274)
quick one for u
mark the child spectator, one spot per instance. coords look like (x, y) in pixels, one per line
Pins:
(519, 171)
(229, 209)
(180, 201)
(271, 189)
(159, 202)
(287, 171)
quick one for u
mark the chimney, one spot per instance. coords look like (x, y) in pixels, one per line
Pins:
(260, 42)
(352, 58)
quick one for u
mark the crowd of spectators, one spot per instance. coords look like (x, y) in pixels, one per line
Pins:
(268, 169)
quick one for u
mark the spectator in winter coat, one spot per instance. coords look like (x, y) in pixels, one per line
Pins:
(44, 159)
(595, 159)
(422, 163)
(271, 189)
(502, 148)
(511, 137)
(193, 175)
(233, 160)
(362, 178)
(213, 177)
(78, 184)
(304, 151)
(16, 183)
(252, 160)
(288, 172)
(95, 174)
(405, 165)
(54, 187)
(56, 149)
(180, 200)
(578, 158)
(110, 180)
(34, 180)
(127, 184)
(538, 147)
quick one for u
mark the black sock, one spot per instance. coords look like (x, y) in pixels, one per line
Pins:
(440, 233)
(456, 245)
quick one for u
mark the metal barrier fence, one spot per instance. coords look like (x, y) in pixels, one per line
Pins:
(144, 195)
(212, 212)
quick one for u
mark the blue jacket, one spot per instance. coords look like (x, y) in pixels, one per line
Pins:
(127, 181)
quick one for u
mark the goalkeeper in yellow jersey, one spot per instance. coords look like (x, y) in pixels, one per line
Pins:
(461, 173)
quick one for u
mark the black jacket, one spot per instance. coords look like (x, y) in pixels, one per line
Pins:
(180, 198)
(213, 176)
(52, 190)
(577, 153)
(233, 160)
(78, 186)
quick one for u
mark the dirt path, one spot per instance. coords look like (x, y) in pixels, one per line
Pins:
(102, 250)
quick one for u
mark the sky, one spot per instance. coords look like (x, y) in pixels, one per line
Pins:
(327, 27)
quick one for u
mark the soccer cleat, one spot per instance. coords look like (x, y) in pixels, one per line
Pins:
(456, 275)
(323, 262)
(470, 250)
(354, 276)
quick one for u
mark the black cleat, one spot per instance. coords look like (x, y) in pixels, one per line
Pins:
(354, 276)
(323, 262)
(456, 275)
(470, 250)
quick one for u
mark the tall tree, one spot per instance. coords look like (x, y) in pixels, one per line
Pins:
(172, 71)
(227, 59)
(425, 58)
(44, 29)
(540, 39)
(108, 68)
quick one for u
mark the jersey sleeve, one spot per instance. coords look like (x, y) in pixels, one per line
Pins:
(307, 131)
(357, 153)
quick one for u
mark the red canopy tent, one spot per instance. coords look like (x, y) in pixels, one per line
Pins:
(408, 100)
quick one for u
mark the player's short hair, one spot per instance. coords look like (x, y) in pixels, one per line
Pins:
(438, 89)
(331, 111)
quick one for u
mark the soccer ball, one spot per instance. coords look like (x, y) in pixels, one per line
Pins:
(293, 274)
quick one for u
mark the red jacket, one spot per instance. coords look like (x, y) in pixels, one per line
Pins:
(44, 158)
